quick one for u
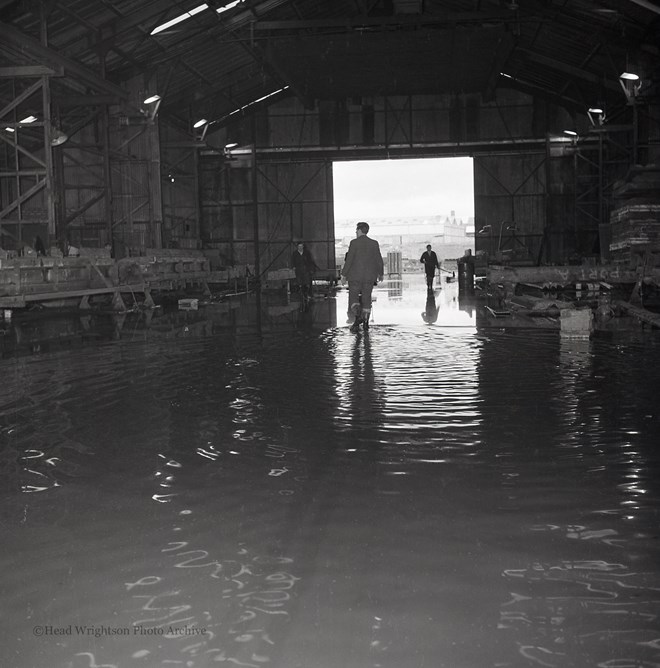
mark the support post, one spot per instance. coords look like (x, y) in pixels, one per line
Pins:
(255, 201)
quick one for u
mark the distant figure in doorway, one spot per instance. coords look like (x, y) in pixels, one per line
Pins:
(39, 247)
(430, 314)
(430, 261)
(363, 268)
(305, 267)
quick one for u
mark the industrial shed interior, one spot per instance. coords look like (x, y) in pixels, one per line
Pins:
(203, 466)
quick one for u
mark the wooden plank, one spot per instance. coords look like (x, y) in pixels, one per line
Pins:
(25, 196)
(33, 48)
(22, 97)
(566, 275)
(639, 312)
(27, 71)
(9, 301)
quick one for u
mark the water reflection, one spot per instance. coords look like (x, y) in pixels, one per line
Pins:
(430, 314)
(279, 491)
(363, 391)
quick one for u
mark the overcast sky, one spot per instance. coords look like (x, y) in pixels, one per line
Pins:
(418, 187)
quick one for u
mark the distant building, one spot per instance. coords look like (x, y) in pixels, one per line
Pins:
(450, 236)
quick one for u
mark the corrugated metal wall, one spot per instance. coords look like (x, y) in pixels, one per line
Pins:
(179, 182)
(145, 181)
(512, 194)
(510, 200)
(294, 203)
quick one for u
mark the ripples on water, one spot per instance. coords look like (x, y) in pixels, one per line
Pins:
(417, 496)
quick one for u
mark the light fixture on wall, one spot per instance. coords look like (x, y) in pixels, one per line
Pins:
(57, 137)
(27, 120)
(153, 104)
(228, 149)
(630, 84)
(596, 116)
(202, 125)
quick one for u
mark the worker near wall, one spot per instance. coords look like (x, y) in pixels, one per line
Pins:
(430, 261)
(39, 247)
(305, 267)
(363, 268)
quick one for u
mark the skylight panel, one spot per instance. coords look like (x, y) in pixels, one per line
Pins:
(231, 5)
(183, 17)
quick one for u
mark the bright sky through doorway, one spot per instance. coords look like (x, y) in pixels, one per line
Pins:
(407, 187)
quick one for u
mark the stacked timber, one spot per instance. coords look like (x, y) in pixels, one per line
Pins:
(634, 226)
(635, 222)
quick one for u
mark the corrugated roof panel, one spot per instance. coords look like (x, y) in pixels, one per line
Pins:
(344, 47)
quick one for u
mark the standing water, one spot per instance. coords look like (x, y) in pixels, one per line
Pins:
(256, 486)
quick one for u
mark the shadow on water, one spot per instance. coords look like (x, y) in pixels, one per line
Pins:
(252, 484)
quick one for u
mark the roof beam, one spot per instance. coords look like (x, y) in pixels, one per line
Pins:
(499, 58)
(647, 5)
(569, 103)
(37, 51)
(270, 63)
(571, 70)
(376, 21)
(30, 71)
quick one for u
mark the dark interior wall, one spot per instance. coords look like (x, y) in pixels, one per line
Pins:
(544, 197)
(507, 137)
(510, 205)
(294, 203)
(180, 188)
(403, 121)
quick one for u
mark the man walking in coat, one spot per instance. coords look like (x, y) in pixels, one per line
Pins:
(362, 268)
(305, 267)
(430, 261)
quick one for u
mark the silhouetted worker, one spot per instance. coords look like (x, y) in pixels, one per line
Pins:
(363, 267)
(430, 261)
(39, 247)
(305, 268)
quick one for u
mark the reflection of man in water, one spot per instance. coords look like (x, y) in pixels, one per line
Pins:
(430, 261)
(365, 392)
(363, 267)
(430, 315)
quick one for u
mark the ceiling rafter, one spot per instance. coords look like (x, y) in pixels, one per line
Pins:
(571, 70)
(45, 55)
(225, 61)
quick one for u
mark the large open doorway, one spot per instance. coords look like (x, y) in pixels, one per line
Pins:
(408, 203)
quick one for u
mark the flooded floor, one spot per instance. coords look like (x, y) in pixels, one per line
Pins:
(252, 485)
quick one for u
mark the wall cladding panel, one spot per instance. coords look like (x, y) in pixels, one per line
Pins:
(180, 188)
(294, 130)
(508, 137)
(510, 198)
(294, 201)
(275, 222)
